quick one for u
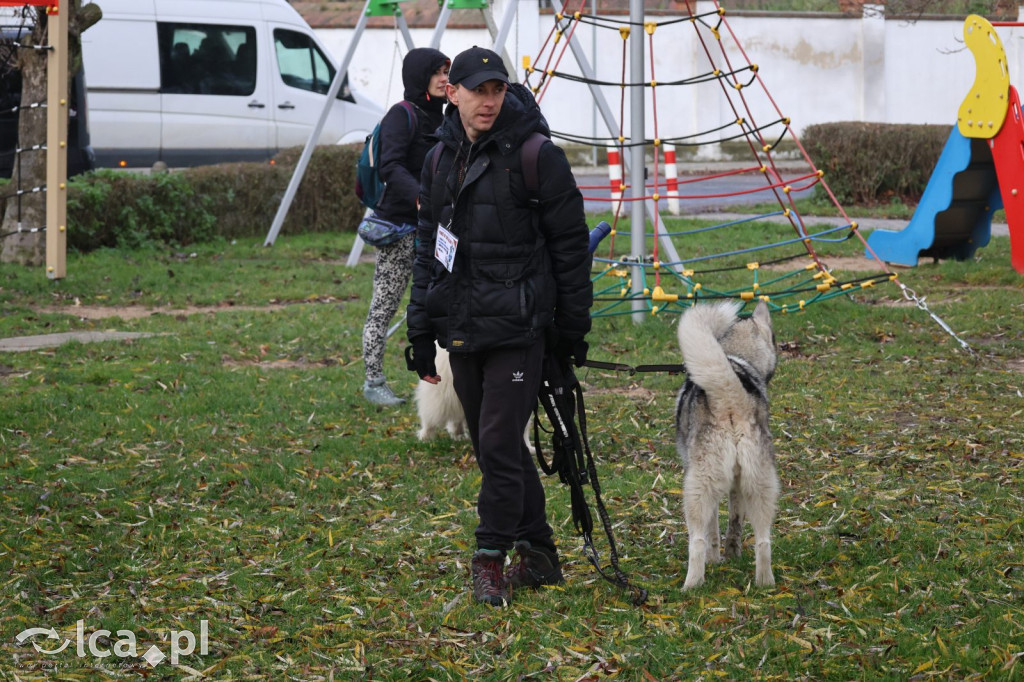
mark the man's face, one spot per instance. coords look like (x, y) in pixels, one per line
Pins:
(479, 107)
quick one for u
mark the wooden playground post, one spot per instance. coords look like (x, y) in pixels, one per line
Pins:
(56, 133)
(57, 142)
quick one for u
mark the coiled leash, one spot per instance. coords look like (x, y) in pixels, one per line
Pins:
(562, 400)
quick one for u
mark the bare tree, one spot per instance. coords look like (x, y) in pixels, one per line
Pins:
(29, 248)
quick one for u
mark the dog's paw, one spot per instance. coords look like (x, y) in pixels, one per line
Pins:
(692, 582)
(457, 430)
(425, 434)
(763, 576)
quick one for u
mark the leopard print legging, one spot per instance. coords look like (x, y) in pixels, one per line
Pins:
(390, 279)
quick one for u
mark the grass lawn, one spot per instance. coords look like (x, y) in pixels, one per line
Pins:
(227, 470)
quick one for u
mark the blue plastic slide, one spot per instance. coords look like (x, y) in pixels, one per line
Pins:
(954, 217)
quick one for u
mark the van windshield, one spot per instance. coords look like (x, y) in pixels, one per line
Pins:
(302, 65)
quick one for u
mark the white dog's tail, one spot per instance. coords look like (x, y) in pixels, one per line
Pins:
(706, 362)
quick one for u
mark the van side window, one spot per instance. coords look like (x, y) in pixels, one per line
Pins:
(302, 65)
(207, 59)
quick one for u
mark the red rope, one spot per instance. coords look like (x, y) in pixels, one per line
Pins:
(654, 109)
(565, 45)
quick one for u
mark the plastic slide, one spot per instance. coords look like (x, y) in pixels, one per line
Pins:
(954, 216)
(980, 170)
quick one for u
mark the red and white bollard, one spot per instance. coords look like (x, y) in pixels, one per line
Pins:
(615, 180)
(671, 179)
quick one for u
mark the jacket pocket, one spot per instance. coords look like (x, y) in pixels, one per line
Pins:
(508, 290)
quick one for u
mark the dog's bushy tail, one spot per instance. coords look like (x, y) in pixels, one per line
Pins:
(706, 362)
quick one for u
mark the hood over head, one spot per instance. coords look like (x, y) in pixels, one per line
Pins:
(417, 68)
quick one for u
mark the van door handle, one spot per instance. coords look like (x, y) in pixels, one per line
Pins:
(256, 104)
(286, 105)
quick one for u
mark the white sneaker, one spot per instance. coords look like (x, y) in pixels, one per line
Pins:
(378, 393)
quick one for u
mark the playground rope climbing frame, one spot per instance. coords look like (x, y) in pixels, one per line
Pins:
(775, 256)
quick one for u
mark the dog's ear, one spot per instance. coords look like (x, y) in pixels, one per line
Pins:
(762, 315)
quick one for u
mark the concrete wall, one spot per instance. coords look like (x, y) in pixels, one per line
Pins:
(815, 68)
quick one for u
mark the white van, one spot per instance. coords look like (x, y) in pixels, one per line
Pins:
(193, 82)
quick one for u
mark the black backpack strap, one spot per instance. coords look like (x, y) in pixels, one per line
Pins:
(529, 154)
(436, 186)
(410, 110)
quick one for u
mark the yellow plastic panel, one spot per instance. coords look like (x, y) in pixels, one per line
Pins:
(983, 110)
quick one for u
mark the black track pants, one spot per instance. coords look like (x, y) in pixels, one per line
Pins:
(498, 390)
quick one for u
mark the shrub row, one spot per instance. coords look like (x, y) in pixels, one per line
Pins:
(120, 209)
(864, 163)
(871, 163)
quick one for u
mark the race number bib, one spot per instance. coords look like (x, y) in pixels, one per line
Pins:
(445, 246)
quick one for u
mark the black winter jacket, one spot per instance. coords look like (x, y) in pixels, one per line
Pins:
(403, 148)
(519, 267)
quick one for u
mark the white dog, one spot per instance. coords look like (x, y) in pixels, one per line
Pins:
(722, 433)
(439, 407)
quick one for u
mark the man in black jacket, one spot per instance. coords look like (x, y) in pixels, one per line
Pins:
(501, 276)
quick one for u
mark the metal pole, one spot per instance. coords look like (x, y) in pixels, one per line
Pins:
(638, 219)
(357, 245)
(499, 33)
(593, 110)
(404, 28)
(314, 137)
(613, 130)
(442, 23)
(503, 31)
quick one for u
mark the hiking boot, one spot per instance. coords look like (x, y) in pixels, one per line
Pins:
(378, 393)
(489, 584)
(533, 567)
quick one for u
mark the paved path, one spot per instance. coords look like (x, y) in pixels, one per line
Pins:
(25, 343)
(719, 193)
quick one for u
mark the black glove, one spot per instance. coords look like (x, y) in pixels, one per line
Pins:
(569, 350)
(419, 357)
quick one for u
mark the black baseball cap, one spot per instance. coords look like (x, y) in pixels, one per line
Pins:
(476, 65)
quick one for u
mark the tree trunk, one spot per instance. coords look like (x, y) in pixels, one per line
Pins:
(29, 248)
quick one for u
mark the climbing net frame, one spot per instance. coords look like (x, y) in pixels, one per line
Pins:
(56, 135)
(717, 267)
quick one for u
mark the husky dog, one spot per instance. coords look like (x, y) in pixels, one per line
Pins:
(438, 406)
(722, 433)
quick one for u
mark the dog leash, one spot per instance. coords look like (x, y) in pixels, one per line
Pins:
(622, 367)
(573, 460)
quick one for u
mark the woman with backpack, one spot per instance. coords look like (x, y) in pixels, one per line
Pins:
(406, 135)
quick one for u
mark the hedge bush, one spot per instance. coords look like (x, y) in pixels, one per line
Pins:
(121, 209)
(864, 163)
(872, 163)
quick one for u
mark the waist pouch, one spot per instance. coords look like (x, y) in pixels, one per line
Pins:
(379, 232)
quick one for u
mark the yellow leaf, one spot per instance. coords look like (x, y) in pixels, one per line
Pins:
(802, 642)
(923, 666)
(330, 538)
